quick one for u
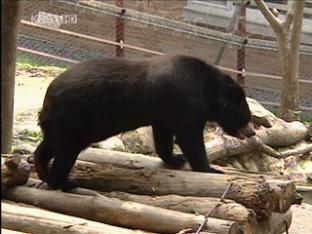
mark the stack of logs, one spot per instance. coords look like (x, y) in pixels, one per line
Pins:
(173, 200)
(121, 192)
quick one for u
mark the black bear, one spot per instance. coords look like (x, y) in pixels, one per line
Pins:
(97, 99)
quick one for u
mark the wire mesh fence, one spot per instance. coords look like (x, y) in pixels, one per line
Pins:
(66, 32)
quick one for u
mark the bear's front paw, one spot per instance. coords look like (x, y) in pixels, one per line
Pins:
(65, 186)
(212, 170)
(69, 185)
(176, 161)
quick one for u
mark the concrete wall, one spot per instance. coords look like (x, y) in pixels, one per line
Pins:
(216, 14)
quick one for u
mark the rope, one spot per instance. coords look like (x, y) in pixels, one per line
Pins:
(210, 212)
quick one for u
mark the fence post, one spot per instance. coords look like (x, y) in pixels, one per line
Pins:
(241, 52)
(120, 37)
(10, 20)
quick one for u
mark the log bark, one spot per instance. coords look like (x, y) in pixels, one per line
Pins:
(226, 209)
(14, 171)
(275, 224)
(257, 194)
(298, 149)
(31, 219)
(282, 134)
(224, 146)
(123, 159)
(8, 231)
(140, 161)
(117, 212)
(260, 116)
(306, 193)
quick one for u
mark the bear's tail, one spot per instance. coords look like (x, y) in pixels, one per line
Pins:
(42, 157)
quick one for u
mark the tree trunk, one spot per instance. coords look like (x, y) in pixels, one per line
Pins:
(288, 34)
(289, 93)
(290, 97)
(117, 212)
(10, 17)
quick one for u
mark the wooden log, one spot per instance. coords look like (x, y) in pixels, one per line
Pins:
(31, 219)
(117, 212)
(189, 204)
(283, 134)
(260, 115)
(299, 149)
(227, 209)
(275, 224)
(256, 194)
(8, 231)
(131, 161)
(14, 171)
(236, 164)
(140, 161)
(122, 159)
(225, 146)
(310, 131)
(141, 139)
(306, 193)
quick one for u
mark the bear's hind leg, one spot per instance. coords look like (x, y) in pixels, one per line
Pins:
(163, 141)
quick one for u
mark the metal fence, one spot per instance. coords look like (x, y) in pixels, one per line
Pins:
(136, 29)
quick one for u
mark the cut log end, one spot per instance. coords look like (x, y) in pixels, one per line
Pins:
(14, 171)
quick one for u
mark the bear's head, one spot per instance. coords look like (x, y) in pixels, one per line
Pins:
(234, 115)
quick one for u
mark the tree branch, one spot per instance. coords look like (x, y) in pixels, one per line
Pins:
(290, 16)
(274, 21)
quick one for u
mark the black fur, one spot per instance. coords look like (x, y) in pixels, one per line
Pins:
(97, 99)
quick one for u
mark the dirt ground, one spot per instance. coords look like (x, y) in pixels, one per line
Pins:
(301, 219)
(30, 88)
